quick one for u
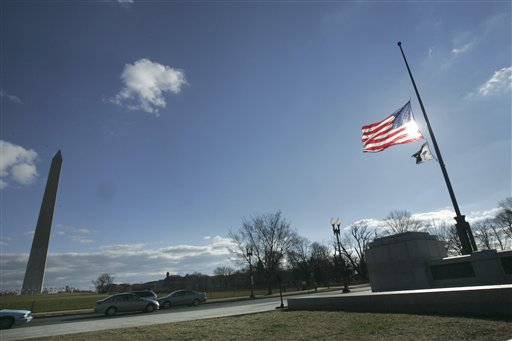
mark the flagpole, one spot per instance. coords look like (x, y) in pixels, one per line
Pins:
(463, 229)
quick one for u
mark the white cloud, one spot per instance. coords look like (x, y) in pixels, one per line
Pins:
(500, 82)
(463, 49)
(477, 216)
(123, 248)
(459, 49)
(79, 235)
(29, 233)
(123, 3)
(145, 84)
(10, 97)
(24, 173)
(4, 241)
(129, 263)
(445, 215)
(81, 239)
(126, 4)
(17, 164)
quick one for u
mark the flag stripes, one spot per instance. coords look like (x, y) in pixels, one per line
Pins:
(398, 128)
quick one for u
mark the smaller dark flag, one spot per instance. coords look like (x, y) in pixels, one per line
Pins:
(423, 154)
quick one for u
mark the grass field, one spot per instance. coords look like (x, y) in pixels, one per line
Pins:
(78, 301)
(292, 325)
(53, 302)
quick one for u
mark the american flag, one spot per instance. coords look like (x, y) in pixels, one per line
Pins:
(397, 128)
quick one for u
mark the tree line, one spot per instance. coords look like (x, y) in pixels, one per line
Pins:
(267, 246)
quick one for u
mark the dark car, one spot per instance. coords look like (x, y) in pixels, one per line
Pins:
(124, 303)
(144, 294)
(182, 297)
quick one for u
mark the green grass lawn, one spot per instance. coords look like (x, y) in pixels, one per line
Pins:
(299, 325)
(78, 301)
(53, 302)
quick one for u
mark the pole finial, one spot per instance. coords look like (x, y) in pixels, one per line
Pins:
(399, 43)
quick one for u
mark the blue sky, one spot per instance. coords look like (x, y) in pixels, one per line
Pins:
(177, 119)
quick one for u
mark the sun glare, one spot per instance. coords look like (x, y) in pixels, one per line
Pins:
(412, 130)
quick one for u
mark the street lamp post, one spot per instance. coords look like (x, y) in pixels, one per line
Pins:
(249, 256)
(336, 223)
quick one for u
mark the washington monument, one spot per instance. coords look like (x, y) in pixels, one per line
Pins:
(34, 275)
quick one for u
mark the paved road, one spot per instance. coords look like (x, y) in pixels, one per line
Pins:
(90, 322)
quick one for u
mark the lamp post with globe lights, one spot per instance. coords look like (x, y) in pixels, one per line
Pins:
(336, 223)
(248, 250)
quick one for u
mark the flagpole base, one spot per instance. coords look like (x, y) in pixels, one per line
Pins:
(465, 234)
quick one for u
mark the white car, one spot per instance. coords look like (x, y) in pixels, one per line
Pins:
(9, 317)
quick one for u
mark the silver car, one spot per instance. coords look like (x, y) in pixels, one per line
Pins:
(10, 317)
(144, 294)
(126, 302)
(180, 297)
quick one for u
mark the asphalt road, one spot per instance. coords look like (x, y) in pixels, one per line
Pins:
(40, 327)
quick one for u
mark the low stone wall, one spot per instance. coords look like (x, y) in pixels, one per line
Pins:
(484, 267)
(491, 301)
(417, 260)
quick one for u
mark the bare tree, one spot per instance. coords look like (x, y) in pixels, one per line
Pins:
(103, 282)
(504, 217)
(271, 238)
(355, 243)
(447, 233)
(298, 257)
(402, 221)
(491, 235)
(223, 271)
(483, 235)
(225, 275)
(321, 263)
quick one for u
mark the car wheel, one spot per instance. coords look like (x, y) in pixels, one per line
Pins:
(111, 311)
(167, 305)
(6, 322)
(150, 308)
(195, 302)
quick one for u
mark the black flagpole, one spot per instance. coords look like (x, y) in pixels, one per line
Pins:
(463, 229)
